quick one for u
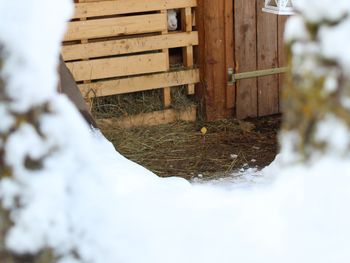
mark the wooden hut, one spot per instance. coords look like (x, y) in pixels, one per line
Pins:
(232, 52)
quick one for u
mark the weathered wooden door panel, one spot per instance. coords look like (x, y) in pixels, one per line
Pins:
(235, 35)
(258, 46)
(245, 51)
(229, 53)
(267, 55)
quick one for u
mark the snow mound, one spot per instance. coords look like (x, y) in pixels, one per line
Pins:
(90, 201)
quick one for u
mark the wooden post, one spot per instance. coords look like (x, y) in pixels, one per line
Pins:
(229, 53)
(166, 90)
(89, 101)
(187, 52)
(212, 57)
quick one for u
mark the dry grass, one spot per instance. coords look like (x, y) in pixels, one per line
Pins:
(140, 102)
(180, 149)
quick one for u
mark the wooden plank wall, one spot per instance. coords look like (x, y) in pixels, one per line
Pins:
(215, 27)
(267, 55)
(245, 51)
(122, 46)
(237, 34)
(258, 45)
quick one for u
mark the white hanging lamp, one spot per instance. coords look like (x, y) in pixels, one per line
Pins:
(279, 7)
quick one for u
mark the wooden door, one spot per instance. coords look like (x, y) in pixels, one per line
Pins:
(258, 46)
(235, 35)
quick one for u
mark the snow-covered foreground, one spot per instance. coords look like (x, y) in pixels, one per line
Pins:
(88, 200)
(299, 217)
(124, 213)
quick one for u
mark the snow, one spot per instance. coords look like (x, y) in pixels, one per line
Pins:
(322, 10)
(6, 121)
(332, 37)
(333, 42)
(295, 29)
(90, 201)
(243, 178)
(30, 42)
(319, 39)
(337, 139)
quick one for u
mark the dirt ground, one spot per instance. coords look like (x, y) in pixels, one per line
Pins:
(181, 149)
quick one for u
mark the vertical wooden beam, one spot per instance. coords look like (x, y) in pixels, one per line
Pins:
(229, 53)
(186, 17)
(282, 56)
(89, 101)
(267, 39)
(213, 88)
(245, 57)
(166, 90)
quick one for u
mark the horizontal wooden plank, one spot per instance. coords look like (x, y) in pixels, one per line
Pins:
(108, 27)
(153, 118)
(127, 46)
(119, 7)
(117, 67)
(139, 83)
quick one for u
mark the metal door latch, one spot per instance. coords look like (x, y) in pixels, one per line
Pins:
(230, 76)
(233, 77)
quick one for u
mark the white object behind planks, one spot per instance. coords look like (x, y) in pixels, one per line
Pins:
(172, 19)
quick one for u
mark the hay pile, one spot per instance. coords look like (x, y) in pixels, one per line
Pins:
(180, 149)
(139, 102)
